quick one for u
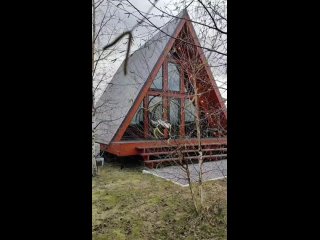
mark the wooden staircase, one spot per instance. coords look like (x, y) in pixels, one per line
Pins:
(156, 156)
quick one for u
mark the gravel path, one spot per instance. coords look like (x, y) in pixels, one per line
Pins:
(211, 171)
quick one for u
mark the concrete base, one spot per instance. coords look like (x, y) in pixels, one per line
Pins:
(211, 171)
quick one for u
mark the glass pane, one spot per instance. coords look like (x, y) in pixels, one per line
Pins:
(173, 77)
(190, 111)
(175, 117)
(155, 108)
(190, 125)
(138, 117)
(188, 86)
(157, 82)
(135, 129)
(155, 117)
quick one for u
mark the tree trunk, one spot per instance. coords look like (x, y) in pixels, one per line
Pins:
(191, 190)
(198, 128)
(93, 159)
(94, 163)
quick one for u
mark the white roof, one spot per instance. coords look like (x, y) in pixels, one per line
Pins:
(122, 91)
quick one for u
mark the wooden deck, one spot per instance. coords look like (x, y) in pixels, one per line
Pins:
(156, 152)
(131, 148)
(155, 156)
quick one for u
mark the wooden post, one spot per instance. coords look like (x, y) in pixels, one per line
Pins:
(165, 98)
(182, 103)
(145, 116)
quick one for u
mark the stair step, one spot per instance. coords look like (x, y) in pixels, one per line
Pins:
(186, 158)
(167, 146)
(184, 151)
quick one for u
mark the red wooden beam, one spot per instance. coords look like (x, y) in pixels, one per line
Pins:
(182, 101)
(130, 148)
(169, 94)
(146, 116)
(164, 97)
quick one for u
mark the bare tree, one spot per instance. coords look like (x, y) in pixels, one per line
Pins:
(210, 23)
(209, 18)
(208, 118)
(106, 47)
(105, 26)
(205, 119)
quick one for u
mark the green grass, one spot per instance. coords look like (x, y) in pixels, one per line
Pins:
(127, 204)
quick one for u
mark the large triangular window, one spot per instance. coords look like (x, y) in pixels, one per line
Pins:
(168, 109)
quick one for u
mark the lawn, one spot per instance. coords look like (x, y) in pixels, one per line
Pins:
(127, 204)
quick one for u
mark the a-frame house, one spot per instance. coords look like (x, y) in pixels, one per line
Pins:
(168, 100)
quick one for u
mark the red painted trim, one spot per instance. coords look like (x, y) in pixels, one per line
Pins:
(165, 98)
(182, 124)
(182, 100)
(129, 148)
(169, 94)
(145, 117)
(165, 75)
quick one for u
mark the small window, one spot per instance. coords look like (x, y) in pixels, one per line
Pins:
(136, 128)
(157, 82)
(188, 86)
(155, 117)
(175, 119)
(190, 111)
(190, 118)
(138, 117)
(155, 108)
(173, 77)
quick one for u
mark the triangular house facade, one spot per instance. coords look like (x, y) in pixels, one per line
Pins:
(168, 98)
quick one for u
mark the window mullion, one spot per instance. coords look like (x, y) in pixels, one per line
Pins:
(165, 97)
